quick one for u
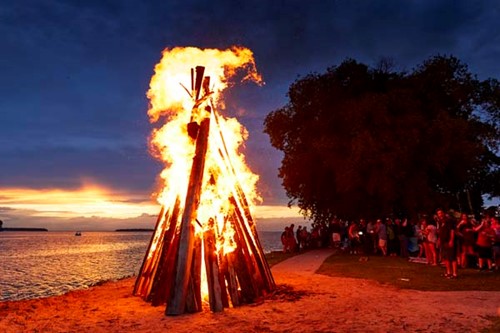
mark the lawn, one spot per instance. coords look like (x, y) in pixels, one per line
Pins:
(403, 274)
(276, 257)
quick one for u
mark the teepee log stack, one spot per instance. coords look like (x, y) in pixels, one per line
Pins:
(178, 257)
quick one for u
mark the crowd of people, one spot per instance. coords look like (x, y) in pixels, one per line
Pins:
(443, 239)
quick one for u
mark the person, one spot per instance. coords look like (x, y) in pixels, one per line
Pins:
(495, 225)
(420, 239)
(354, 241)
(485, 238)
(447, 243)
(315, 238)
(429, 233)
(382, 236)
(371, 237)
(292, 243)
(298, 235)
(466, 236)
(304, 238)
(392, 240)
(335, 230)
(405, 231)
(284, 240)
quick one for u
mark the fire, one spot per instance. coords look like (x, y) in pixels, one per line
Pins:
(205, 229)
(169, 96)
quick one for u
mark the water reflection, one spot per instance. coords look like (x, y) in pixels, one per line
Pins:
(43, 264)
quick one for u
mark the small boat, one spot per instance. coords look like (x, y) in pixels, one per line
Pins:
(78, 233)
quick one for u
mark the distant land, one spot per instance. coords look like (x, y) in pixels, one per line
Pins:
(23, 229)
(134, 230)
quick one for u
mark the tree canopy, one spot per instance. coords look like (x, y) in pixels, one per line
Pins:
(371, 142)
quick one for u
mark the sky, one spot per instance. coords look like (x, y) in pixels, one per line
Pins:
(74, 74)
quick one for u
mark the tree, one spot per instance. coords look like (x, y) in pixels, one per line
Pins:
(364, 142)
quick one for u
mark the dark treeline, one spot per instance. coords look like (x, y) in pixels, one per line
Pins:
(362, 142)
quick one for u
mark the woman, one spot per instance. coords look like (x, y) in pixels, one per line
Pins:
(495, 225)
(429, 233)
(484, 243)
(354, 238)
(466, 236)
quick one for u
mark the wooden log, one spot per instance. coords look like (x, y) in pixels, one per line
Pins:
(193, 298)
(171, 264)
(200, 70)
(153, 257)
(212, 269)
(140, 277)
(248, 246)
(257, 251)
(177, 302)
(221, 259)
(243, 203)
(232, 281)
(249, 280)
(162, 281)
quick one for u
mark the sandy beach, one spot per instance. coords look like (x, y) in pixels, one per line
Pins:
(304, 302)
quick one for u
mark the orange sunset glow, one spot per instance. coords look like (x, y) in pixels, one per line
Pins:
(99, 201)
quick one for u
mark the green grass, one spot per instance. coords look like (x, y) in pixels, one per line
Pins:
(276, 257)
(403, 274)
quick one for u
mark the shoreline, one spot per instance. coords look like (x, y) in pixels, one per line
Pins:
(303, 302)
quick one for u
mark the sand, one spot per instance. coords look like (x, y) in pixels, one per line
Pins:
(304, 302)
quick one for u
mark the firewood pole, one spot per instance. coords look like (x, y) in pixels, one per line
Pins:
(240, 201)
(160, 288)
(140, 278)
(176, 305)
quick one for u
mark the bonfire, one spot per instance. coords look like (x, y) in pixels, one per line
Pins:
(205, 248)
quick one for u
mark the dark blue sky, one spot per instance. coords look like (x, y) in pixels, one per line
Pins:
(73, 74)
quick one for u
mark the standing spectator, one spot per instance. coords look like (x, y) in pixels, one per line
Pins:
(405, 230)
(447, 243)
(284, 240)
(484, 243)
(304, 238)
(466, 239)
(315, 238)
(298, 235)
(420, 238)
(371, 237)
(292, 243)
(335, 230)
(382, 236)
(392, 241)
(354, 241)
(496, 243)
(429, 233)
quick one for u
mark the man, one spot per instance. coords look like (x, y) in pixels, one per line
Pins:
(447, 243)
(382, 236)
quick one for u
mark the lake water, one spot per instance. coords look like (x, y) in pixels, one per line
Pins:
(41, 264)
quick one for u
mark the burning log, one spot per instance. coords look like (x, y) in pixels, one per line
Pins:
(212, 268)
(177, 301)
(193, 298)
(140, 281)
(161, 289)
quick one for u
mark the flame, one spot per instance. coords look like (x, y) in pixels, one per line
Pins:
(225, 165)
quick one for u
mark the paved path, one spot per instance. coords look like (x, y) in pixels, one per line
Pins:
(303, 264)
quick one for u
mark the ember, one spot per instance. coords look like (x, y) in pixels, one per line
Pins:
(205, 238)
